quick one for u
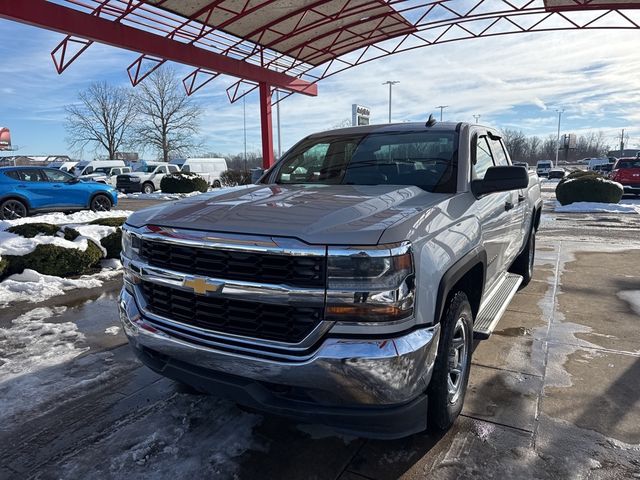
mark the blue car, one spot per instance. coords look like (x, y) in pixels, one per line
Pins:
(27, 190)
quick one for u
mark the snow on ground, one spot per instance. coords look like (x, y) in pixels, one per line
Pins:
(60, 218)
(157, 195)
(12, 244)
(34, 287)
(183, 436)
(595, 207)
(632, 297)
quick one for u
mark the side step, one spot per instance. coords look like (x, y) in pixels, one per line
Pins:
(493, 308)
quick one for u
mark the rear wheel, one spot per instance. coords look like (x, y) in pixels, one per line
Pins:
(216, 184)
(448, 385)
(523, 264)
(101, 203)
(12, 209)
(148, 188)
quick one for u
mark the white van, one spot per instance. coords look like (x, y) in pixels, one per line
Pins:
(543, 167)
(593, 162)
(87, 167)
(208, 168)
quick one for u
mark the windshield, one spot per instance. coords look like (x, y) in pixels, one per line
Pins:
(103, 170)
(427, 159)
(146, 168)
(628, 164)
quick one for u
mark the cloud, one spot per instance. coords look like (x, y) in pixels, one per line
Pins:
(513, 82)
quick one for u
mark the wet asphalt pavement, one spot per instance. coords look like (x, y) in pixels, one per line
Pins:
(554, 393)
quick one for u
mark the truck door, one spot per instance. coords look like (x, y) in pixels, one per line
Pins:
(492, 210)
(516, 206)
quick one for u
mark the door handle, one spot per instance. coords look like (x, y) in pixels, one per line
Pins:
(521, 198)
(508, 206)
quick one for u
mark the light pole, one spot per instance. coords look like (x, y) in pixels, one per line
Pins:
(560, 112)
(391, 83)
(441, 107)
(244, 127)
(476, 117)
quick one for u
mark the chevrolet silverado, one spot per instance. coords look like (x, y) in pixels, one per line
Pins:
(346, 286)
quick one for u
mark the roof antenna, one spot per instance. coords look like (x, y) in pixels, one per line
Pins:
(431, 122)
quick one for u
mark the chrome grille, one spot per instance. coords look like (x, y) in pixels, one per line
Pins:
(282, 323)
(295, 271)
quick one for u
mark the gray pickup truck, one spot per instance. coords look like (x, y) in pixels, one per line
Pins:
(347, 286)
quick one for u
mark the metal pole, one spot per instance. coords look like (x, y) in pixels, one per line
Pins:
(476, 118)
(390, 83)
(244, 124)
(278, 121)
(558, 137)
(441, 107)
(267, 125)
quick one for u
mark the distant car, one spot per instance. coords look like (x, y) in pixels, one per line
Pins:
(594, 162)
(28, 190)
(208, 168)
(146, 178)
(606, 169)
(627, 172)
(106, 175)
(557, 173)
(521, 164)
(543, 167)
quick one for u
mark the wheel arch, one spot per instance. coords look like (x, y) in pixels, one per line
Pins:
(99, 192)
(467, 275)
(16, 196)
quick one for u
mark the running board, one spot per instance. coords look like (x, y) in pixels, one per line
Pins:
(493, 308)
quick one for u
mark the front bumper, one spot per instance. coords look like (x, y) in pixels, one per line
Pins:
(374, 388)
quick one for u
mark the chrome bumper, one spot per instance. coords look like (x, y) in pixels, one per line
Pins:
(342, 372)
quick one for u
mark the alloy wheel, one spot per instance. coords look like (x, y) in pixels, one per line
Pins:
(12, 209)
(458, 359)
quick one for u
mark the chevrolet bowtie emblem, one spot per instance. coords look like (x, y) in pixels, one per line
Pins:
(202, 286)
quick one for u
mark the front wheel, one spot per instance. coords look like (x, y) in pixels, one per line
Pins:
(448, 385)
(12, 209)
(101, 203)
(148, 188)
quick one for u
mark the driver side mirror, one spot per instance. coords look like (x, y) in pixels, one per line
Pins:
(501, 179)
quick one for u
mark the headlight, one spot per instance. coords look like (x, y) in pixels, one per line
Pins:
(370, 284)
(130, 244)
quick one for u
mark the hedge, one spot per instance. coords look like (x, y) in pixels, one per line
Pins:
(233, 178)
(112, 243)
(588, 187)
(54, 260)
(109, 222)
(183, 182)
(30, 230)
(3, 266)
(70, 234)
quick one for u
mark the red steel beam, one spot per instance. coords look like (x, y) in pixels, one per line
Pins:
(51, 16)
(266, 125)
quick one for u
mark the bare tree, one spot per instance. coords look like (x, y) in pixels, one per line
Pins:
(103, 118)
(168, 118)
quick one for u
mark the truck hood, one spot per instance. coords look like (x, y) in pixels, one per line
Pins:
(319, 214)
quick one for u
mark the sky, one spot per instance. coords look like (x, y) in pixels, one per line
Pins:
(515, 82)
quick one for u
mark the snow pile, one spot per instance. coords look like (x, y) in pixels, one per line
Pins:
(31, 286)
(12, 244)
(596, 207)
(59, 218)
(632, 297)
(157, 195)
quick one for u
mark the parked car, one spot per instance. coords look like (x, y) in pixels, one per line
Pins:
(106, 175)
(604, 169)
(28, 190)
(627, 172)
(208, 168)
(346, 287)
(87, 167)
(594, 162)
(543, 167)
(557, 173)
(146, 178)
(522, 164)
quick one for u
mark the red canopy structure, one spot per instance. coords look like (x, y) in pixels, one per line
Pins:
(290, 45)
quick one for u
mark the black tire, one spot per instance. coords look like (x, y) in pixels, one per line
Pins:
(101, 203)
(12, 209)
(148, 187)
(450, 378)
(216, 184)
(523, 264)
